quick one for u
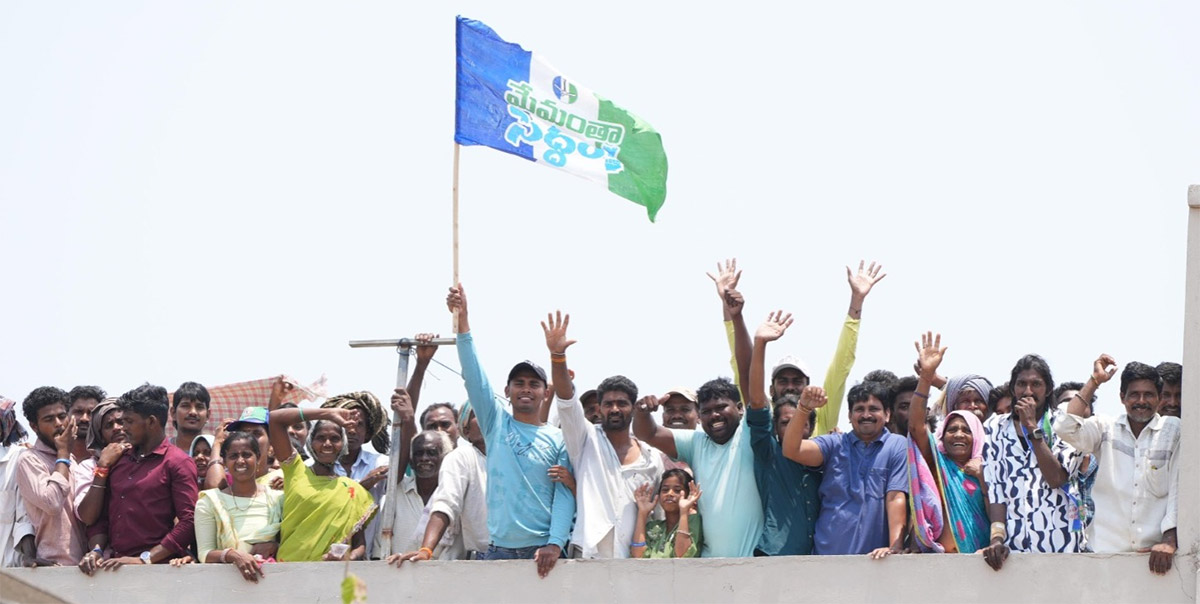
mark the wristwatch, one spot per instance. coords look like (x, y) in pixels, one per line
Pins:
(145, 557)
(1039, 434)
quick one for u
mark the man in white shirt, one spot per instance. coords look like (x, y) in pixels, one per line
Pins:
(1137, 477)
(429, 448)
(15, 525)
(609, 464)
(456, 515)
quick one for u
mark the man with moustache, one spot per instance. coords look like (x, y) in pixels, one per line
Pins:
(722, 461)
(529, 515)
(1137, 479)
(107, 442)
(44, 477)
(1172, 377)
(865, 487)
(1028, 468)
(189, 413)
(609, 463)
(151, 491)
(82, 400)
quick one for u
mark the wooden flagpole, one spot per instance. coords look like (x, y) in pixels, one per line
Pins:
(454, 221)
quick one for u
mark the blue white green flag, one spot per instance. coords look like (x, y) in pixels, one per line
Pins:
(512, 100)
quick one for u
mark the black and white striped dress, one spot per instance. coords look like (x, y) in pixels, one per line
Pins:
(1039, 517)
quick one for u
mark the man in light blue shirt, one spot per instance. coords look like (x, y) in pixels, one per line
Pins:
(529, 516)
(722, 460)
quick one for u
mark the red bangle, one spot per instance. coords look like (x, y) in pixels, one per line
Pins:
(100, 472)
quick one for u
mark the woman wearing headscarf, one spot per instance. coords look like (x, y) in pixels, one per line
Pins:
(323, 514)
(202, 453)
(106, 441)
(955, 452)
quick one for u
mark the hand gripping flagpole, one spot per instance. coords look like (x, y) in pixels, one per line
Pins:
(387, 516)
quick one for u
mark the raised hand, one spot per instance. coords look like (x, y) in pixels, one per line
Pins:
(734, 301)
(342, 417)
(646, 498)
(63, 440)
(556, 332)
(425, 350)
(402, 406)
(813, 397)
(727, 277)
(774, 327)
(279, 390)
(1104, 369)
(862, 281)
(456, 300)
(650, 403)
(929, 354)
(687, 503)
(1026, 410)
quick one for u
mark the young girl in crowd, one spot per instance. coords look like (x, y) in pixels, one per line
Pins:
(320, 508)
(237, 522)
(678, 535)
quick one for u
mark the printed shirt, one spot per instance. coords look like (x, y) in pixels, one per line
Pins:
(1039, 517)
(525, 507)
(150, 501)
(462, 496)
(1137, 479)
(731, 504)
(858, 477)
(790, 498)
(605, 507)
(49, 503)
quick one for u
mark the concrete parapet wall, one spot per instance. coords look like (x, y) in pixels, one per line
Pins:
(926, 579)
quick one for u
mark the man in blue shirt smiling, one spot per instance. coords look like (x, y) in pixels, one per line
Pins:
(529, 516)
(865, 487)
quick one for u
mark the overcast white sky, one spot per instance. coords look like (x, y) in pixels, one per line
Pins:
(223, 191)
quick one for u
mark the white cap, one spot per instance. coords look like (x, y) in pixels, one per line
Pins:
(791, 362)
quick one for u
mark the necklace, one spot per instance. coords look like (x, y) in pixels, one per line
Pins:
(248, 504)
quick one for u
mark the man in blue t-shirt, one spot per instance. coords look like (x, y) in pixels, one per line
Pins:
(529, 515)
(864, 493)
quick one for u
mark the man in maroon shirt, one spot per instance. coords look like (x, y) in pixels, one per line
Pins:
(151, 491)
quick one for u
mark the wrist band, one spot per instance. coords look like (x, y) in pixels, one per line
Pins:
(999, 531)
(678, 532)
(562, 359)
(924, 395)
(428, 551)
(558, 354)
(301, 413)
(638, 544)
(100, 472)
(61, 460)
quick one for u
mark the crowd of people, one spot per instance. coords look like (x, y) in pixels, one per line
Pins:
(749, 466)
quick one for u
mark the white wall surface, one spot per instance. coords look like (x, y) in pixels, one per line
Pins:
(1055, 578)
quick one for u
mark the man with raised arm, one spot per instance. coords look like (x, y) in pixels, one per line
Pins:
(722, 462)
(458, 509)
(791, 501)
(529, 515)
(1027, 470)
(1137, 479)
(609, 463)
(864, 493)
(790, 374)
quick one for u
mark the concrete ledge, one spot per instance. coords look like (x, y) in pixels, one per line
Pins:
(925, 579)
